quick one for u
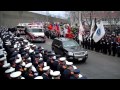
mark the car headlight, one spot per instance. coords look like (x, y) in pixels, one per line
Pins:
(86, 52)
(70, 53)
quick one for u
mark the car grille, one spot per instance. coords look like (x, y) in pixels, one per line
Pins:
(79, 53)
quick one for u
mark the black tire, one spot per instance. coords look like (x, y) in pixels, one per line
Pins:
(44, 41)
(84, 60)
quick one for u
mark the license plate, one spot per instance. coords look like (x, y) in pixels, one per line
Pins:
(38, 39)
(79, 59)
(71, 57)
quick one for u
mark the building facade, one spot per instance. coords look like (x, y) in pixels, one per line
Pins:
(109, 18)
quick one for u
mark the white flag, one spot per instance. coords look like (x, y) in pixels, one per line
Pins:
(99, 33)
(81, 30)
(92, 28)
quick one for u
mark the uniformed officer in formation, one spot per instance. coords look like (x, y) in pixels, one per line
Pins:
(68, 72)
(109, 44)
(118, 49)
(19, 59)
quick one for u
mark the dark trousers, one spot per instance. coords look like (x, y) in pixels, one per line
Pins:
(92, 47)
(109, 51)
(118, 54)
(114, 52)
(89, 46)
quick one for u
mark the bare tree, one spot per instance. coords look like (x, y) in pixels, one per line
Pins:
(74, 17)
(87, 17)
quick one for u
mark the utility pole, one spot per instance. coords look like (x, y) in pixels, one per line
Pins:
(47, 15)
(80, 17)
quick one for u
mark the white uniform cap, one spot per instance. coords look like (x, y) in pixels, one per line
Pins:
(74, 67)
(46, 68)
(23, 63)
(5, 52)
(40, 55)
(30, 44)
(42, 48)
(11, 69)
(5, 62)
(19, 55)
(36, 74)
(25, 40)
(38, 77)
(6, 65)
(17, 42)
(15, 74)
(34, 69)
(3, 58)
(27, 48)
(54, 57)
(15, 37)
(41, 59)
(56, 73)
(28, 65)
(51, 72)
(66, 61)
(15, 46)
(22, 78)
(69, 63)
(30, 51)
(45, 64)
(29, 58)
(80, 75)
(62, 59)
(34, 45)
(18, 60)
(8, 44)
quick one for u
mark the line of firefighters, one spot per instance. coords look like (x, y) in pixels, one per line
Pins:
(110, 43)
(20, 59)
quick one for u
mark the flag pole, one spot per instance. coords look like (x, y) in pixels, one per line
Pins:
(79, 14)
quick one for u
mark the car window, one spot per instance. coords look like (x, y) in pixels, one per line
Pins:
(59, 43)
(56, 42)
(70, 43)
(20, 27)
(35, 30)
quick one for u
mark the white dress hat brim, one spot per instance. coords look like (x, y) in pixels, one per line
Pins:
(6, 65)
(15, 74)
(46, 68)
(56, 73)
(28, 65)
(10, 70)
(38, 77)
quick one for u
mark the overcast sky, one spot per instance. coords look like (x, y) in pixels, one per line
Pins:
(53, 13)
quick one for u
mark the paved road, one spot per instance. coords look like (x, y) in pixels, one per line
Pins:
(98, 65)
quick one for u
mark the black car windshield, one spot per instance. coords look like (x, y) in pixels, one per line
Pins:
(70, 43)
(35, 30)
(20, 27)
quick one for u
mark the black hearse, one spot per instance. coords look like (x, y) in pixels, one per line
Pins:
(70, 49)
